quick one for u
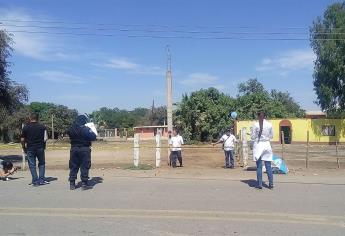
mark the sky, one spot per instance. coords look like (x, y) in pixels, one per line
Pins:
(92, 54)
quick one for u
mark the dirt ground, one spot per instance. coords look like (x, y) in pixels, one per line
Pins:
(119, 155)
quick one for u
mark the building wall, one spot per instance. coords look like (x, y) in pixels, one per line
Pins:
(300, 127)
(149, 133)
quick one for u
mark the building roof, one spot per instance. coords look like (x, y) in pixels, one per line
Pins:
(315, 113)
(150, 126)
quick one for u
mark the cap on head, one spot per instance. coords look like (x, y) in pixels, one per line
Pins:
(81, 120)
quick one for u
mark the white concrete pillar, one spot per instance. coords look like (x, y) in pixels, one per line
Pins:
(136, 150)
(244, 148)
(158, 149)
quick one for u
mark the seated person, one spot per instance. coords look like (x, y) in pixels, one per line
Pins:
(6, 169)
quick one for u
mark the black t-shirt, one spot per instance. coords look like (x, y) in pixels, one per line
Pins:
(34, 135)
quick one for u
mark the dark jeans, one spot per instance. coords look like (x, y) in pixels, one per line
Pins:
(176, 155)
(229, 159)
(268, 171)
(80, 158)
(32, 154)
(179, 157)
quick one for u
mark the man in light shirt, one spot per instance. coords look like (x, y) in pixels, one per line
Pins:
(228, 140)
(176, 142)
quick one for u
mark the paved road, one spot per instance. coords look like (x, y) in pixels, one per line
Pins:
(139, 205)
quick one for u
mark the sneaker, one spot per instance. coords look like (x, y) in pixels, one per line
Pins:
(35, 184)
(258, 187)
(271, 186)
(44, 182)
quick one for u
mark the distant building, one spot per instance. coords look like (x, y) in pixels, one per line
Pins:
(315, 114)
(150, 131)
(321, 130)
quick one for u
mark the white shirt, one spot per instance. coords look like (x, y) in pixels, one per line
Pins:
(228, 142)
(262, 148)
(176, 142)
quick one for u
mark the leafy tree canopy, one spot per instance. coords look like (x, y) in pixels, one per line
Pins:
(327, 41)
(203, 114)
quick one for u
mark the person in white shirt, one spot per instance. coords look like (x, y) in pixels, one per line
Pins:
(261, 135)
(228, 140)
(176, 142)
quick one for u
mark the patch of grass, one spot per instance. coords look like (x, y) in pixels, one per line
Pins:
(140, 167)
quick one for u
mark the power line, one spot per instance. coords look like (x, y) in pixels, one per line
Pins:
(151, 30)
(168, 31)
(173, 36)
(148, 25)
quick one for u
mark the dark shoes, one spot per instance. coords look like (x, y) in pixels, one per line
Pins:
(269, 187)
(72, 185)
(85, 186)
(39, 183)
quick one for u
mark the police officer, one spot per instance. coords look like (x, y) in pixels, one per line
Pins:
(80, 154)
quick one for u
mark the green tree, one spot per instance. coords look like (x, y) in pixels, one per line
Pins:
(253, 97)
(12, 95)
(155, 116)
(108, 118)
(327, 41)
(203, 115)
(63, 116)
(284, 105)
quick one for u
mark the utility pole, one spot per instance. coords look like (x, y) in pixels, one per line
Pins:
(169, 99)
(53, 127)
(169, 90)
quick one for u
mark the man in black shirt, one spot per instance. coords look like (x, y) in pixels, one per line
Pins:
(80, 154)
(33, 141)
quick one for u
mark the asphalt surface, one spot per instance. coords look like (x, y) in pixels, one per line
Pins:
(144, 204)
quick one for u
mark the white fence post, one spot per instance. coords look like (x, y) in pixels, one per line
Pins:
(136, 150)
(23, 161)
(244, 148)
(158, 149)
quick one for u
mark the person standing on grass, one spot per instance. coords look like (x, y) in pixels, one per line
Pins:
(80, 154)
(228, 140)
(176, 142)
(261, 135)
(33, 140)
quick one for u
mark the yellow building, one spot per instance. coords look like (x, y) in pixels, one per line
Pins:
(320, 130)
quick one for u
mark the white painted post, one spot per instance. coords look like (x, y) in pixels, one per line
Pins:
(244, 148)
(136, 150)
(115, 135)
(158, 149)
(23, 161)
